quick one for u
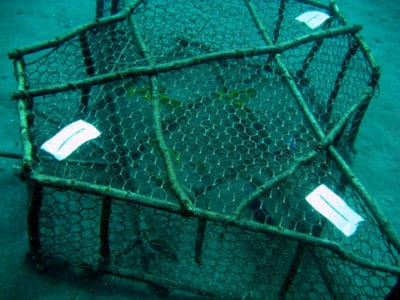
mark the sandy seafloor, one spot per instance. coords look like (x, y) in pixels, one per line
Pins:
(23, 22)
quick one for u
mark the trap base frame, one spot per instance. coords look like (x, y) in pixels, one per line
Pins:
(138, 204)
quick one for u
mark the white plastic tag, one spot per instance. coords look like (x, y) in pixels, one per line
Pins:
(68, 139)
(313, 19)
(331, 206)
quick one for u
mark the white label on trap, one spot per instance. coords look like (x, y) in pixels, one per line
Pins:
(313, 19)
(68, 139)
(331, 206)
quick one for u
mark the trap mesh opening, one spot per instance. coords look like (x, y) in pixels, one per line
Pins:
(216, 121)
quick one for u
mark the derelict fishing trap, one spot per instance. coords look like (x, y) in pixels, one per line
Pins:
(216, 120)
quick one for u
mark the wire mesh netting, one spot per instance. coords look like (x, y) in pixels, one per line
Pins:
(217, 119)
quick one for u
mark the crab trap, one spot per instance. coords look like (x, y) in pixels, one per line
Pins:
(205, 146)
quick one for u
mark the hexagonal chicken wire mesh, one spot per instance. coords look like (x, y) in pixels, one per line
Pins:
(217, 119)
